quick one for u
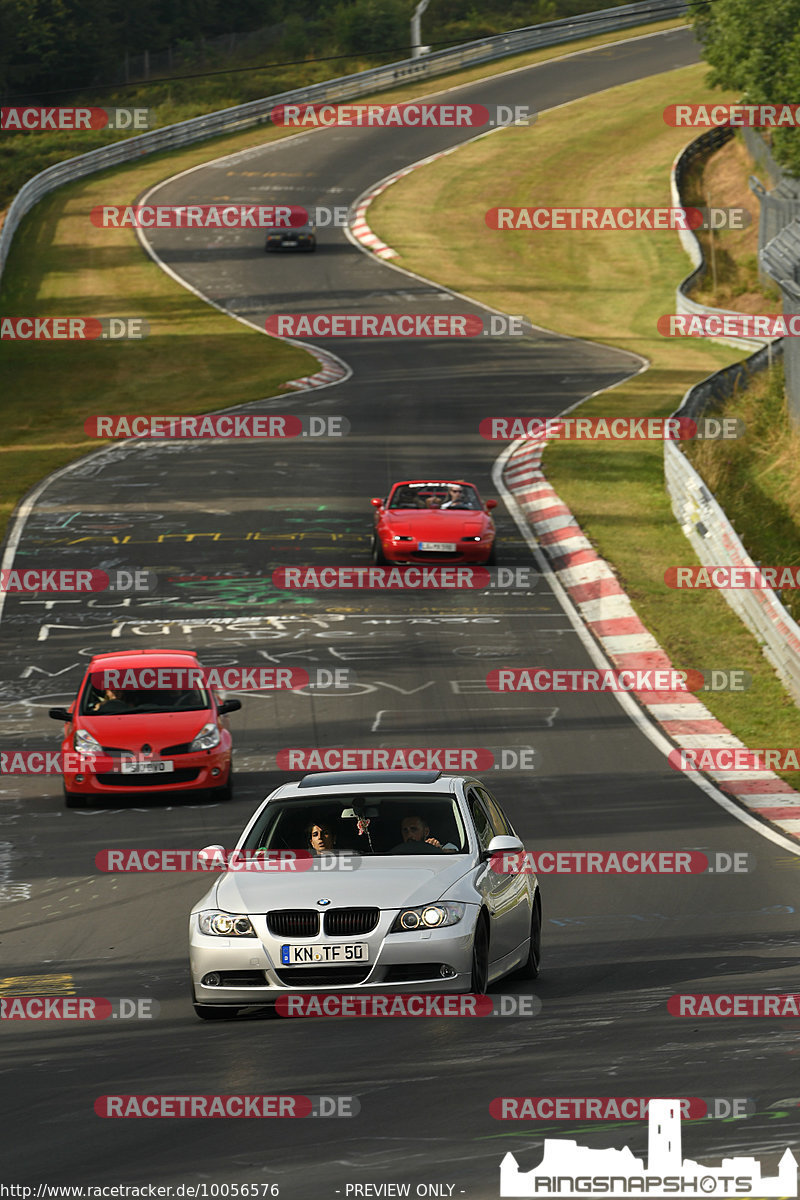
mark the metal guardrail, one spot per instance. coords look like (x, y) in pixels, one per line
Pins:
(715, 541)
(347, 87)
(698, 149)
(702, 519)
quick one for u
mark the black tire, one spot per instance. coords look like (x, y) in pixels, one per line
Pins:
(480, 959)
(378, 557)
(215, 1012)
(75, 799)
(530, 968)
(492, 559)
(224, 794)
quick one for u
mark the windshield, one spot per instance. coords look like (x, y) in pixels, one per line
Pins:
(111, 702)
(435, 495)
(367, 825)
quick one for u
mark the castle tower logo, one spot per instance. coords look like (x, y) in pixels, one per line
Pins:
(568, 1169)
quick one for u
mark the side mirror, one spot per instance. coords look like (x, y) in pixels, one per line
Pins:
(213, 856)
(229, 706)
(502, 845)
(376, 502)
(60, 714)
(490, 504)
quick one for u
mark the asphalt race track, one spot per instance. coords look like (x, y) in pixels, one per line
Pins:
(615, 948)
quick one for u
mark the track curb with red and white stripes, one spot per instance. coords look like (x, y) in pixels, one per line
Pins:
(359, 227)
(608, 614)
(332, 370)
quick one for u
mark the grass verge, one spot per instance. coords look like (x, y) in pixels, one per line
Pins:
(23, 155)
(61, 265)
(608, 287)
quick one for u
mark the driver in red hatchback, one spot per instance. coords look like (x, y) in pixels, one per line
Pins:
(120, 742)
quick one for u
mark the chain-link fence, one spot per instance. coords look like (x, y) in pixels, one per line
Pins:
(779, 248)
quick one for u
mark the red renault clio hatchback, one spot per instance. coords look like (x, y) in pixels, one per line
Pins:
(127, 740)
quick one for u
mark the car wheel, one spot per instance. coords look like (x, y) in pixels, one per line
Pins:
(215, 1012)
(480, 958)
(492, 559)
(75, 799)
(224, 794)
(530, 968)
(378, 557)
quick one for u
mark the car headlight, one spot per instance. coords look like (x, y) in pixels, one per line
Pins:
(221, 924)
(207, 738)
(86, 744)
(428, 916)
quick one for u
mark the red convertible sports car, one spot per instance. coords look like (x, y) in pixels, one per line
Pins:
(427, 520)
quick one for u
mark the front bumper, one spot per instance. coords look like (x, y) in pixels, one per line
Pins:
(193, 772)
(398, 962)
(474, 554)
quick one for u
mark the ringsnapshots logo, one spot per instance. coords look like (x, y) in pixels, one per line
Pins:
(393, 325)
(615, 219)
(73, 329)
(27, 119)
(568, 1169)
(410, 115)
